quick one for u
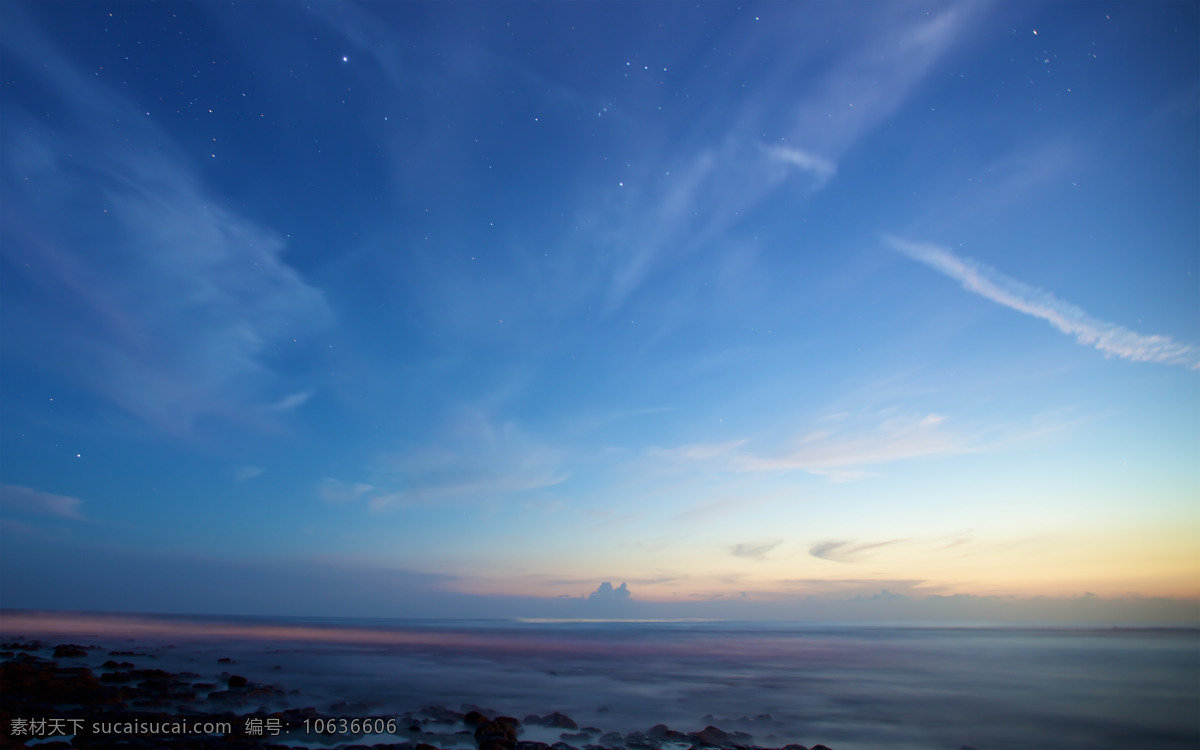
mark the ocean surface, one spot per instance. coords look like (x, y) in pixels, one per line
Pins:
(854, 687)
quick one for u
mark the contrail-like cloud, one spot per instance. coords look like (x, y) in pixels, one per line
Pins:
(1109, 338)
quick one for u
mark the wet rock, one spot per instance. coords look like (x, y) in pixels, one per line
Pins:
(224, 660)
(69, 651)
(663, 733)
(794, 747)
(237, 681)
(560, 721)
(110, 664)
(474, 719)
(711, 736)
(498, 734)
(441, 714)
(574, 736)
(528, 745)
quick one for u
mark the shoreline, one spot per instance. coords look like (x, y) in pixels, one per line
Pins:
(51, 703)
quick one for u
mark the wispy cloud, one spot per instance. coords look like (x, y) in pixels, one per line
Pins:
(339, 492)
(754, 550)
(470, 458)
(1109, 338)
(246, 473)
(16, 499)
(291, 401)
(163, 300)
(821, 168)
(841, 452)
(848, 552)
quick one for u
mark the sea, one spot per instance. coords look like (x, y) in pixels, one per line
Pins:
(847, 686)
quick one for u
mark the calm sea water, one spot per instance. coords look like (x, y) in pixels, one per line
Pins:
(850, 687)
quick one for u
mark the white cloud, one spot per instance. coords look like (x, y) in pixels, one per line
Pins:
(246, 473)
(25, 500)
(1109, 338)
(471, 458)
(839, 455)
(160, 298)
(821, 168)
(338, 492)
(291, 401)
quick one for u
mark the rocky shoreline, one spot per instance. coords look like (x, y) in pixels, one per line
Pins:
(50, 705)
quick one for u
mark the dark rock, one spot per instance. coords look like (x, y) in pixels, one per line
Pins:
(529, 745)
(662, 733)
(237, 681)
(441, 714)
(69, 651)
(559, 721)
(711, 736)
(110, 664)
(820, 747)
(794, 747)
(224, 660)
(474, 719)
(498, 734)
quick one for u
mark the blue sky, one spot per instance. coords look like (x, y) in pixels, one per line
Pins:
(468, 309)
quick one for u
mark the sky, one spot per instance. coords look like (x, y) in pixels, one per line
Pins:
(764, 311)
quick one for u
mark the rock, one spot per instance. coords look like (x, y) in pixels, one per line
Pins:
(237, 681)
(793, 747)
(498, 734)
(711, 736)
(559, 721)
(110, 664)
(474, 719)
(662, 733)
(224, 660)
(574, 736)
(69, 651)
(441, 714)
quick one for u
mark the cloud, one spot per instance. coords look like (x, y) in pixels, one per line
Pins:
(337, 492)
(754, 551)
(837, 454)
(14, 499)
(821, 168)
(291, 401)
(157, 296)
(471, 457)
(1109, 338)
(246, 473)
(847, 552)
(606, 593)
